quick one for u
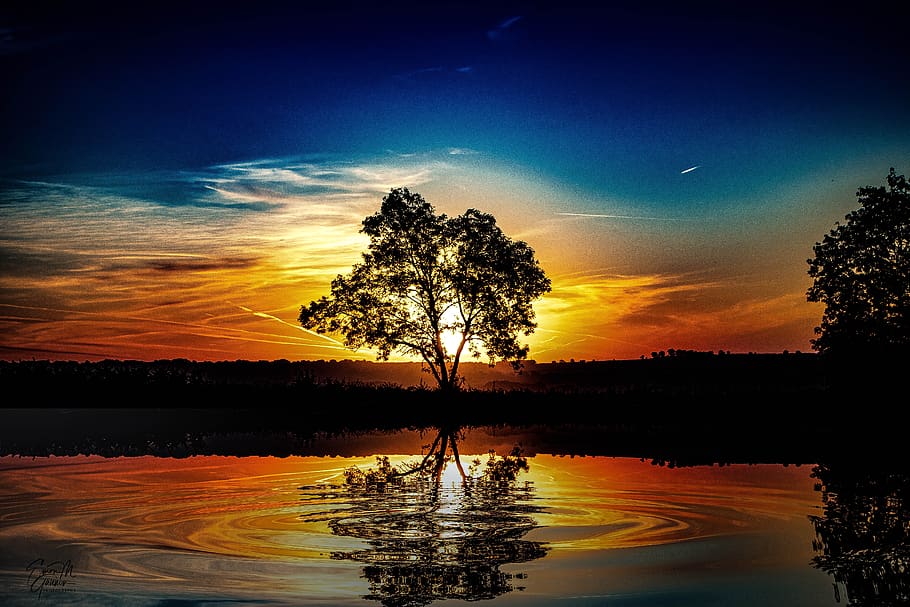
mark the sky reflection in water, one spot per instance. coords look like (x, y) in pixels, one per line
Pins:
(267, 530)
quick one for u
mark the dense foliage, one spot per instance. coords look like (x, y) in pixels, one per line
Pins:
(861, 272)
(434, 287)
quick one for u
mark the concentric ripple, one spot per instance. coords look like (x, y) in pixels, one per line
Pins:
(285, 530)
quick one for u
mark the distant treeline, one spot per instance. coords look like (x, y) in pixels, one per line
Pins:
(685, 376)
(677, 368)
(732, 407)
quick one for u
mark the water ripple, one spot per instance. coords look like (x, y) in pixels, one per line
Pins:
(229, 526)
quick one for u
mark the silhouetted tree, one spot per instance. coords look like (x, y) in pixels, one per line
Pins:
(863, 538)
(428, 277)
(861, 273)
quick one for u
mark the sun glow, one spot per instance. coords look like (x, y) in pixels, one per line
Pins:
(450, 341)
(451, 336)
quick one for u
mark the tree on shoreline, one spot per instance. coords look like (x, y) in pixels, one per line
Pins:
(434, 287)
(861, 272)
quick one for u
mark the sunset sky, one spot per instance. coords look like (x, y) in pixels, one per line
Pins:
(177, 180)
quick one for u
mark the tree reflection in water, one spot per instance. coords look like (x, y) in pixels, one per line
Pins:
(430, 540)
(863, 538)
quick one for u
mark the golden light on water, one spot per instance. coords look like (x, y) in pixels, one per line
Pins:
(451, 477)
(246, 506)
(139, 524)
(622, 503)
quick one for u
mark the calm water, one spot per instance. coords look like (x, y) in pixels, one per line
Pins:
(263, 531)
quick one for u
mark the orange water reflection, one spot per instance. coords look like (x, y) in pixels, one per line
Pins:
(622, 503)
(236, 526)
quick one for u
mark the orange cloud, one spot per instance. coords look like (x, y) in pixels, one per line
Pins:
(88, 273)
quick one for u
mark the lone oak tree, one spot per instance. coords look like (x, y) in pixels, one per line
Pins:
(433, 286)
(861, 273)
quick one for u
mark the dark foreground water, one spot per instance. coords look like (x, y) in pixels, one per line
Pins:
(213, 530)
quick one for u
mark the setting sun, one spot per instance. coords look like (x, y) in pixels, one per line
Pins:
(452, 337)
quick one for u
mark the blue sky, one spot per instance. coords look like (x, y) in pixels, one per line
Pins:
(555, 111)
(614, 99)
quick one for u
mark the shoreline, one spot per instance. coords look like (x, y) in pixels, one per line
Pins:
(788, 409)
(187, 432)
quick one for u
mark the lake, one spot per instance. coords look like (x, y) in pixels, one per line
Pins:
(208, 530)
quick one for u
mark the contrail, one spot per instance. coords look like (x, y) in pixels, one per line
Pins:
(284, 322)
(621, 216)
(690, 169)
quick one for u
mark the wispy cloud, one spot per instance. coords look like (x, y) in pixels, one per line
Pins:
(612, 216)
(284, 180)
(200, 265)
(591, 312)
(505, 30)
(105, 267)
(568, 312)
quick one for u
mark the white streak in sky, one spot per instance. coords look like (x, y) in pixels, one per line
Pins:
(690, 169)
(606, 216)
(501, 32)
(293, 326)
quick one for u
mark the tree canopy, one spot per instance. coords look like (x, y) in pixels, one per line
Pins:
(434, 287)
(861, 273)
